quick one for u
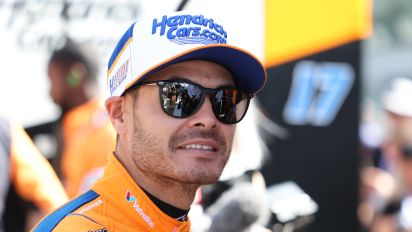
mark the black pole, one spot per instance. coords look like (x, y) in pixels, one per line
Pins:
(182, 5)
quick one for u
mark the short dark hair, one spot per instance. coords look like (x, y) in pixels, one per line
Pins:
(72, 53)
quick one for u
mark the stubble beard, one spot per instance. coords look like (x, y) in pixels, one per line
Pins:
(203, 175)
(149, 157)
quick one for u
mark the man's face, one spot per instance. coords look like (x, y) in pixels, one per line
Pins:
(406, 170)
(189, 150)
(58, 88)
(63, 90)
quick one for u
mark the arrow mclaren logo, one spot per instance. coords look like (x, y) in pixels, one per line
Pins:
(190, 29)
(130, 198)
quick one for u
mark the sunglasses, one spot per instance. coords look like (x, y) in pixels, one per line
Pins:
(407, 152)
(181, 99)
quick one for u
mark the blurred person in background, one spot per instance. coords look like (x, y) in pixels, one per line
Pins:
(83, 132)
(385, 169)
(78, 142)
(22, 166)
(397, 214)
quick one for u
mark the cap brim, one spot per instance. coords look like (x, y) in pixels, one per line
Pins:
(248, 72)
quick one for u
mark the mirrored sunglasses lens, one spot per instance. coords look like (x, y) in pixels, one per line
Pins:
(180, 99)
(230, 105)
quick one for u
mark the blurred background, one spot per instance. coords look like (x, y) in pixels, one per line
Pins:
(333, 121)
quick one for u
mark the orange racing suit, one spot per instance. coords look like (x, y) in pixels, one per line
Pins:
(115, 203)
(88, 136)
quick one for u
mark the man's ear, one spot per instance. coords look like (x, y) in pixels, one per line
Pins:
(115, 107)
(76, 75)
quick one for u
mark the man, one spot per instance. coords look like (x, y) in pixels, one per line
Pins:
(177, 90)
(83, 132)
(387, 163)
(22, 166)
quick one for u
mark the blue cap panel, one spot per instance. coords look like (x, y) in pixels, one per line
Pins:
(126, 36)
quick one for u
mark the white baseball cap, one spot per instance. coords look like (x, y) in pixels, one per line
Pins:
(398, 98)
(153, 43)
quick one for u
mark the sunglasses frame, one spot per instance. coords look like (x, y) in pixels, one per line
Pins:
(204, 92)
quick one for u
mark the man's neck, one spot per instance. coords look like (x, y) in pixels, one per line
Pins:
(76, 100)
(176, 213)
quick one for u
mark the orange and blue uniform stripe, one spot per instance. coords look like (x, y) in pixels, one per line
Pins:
(115, 203)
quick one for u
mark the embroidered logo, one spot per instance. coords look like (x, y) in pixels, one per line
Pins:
(89, 207)
(190, 29)
(130, 198)
(118, 77)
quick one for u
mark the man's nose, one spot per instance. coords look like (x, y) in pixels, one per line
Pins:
(205, 116)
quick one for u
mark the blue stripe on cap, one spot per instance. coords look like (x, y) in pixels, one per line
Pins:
(51, 221)
(128, 34)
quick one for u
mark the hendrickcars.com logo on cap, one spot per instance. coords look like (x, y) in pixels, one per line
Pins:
(190, 29)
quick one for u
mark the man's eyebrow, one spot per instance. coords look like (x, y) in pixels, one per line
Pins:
(179, 78)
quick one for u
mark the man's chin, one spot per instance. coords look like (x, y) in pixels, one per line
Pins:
(208, 181)
(202, 178)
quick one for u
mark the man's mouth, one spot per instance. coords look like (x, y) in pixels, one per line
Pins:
(199, 147)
